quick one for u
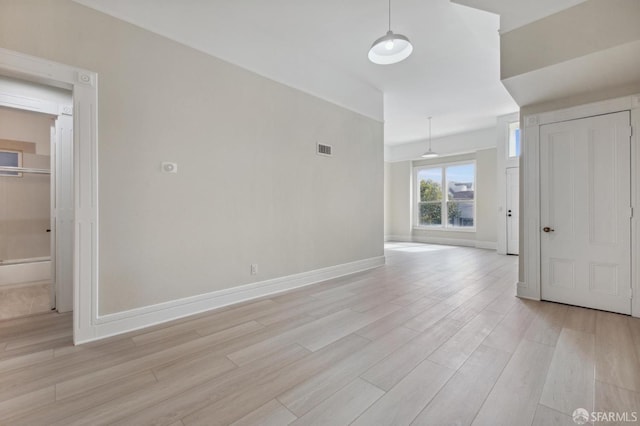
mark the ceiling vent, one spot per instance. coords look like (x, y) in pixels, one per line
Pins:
(324, 150)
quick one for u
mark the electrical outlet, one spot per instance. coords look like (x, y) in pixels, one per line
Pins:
(254, 269)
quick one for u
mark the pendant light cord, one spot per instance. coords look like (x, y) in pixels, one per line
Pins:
(429, 133)
(389, 15)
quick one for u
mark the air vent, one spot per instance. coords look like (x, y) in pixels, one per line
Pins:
(324, 150)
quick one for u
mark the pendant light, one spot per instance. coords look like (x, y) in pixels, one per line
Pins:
(390, 48)
(429, 153)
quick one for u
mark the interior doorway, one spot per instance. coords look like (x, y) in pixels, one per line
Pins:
(35, 199)
(585, 214)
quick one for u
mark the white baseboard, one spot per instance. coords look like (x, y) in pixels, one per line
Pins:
(489, 245)
(524, 292)
(444, 241)
(122, 322)
(399, 238)
(25, 273)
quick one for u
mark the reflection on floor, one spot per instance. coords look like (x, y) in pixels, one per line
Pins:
(24, 300)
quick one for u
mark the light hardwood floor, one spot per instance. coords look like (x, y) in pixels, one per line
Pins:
(435, 337)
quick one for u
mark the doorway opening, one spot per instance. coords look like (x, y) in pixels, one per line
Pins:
(35, 199)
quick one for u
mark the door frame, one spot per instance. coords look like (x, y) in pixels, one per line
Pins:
(530, 198)
(83, 84)
(506, 206)
(504, 162)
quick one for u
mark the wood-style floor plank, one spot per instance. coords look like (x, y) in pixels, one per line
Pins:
(471, 384)
(570, 383)
(235, 405)
(514, 398)
(306, 395)
(610, 398)
(457, 349)
(388, 372)
(617, 361)
(546, 416)
(403, 402)
(342, 407)
(434, 337)
(270, 414)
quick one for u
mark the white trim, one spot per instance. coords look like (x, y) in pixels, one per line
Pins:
(29, 104)
(444, 241)
(635, 201)
(527, 297)
(425, 239)
(11, 274)
(503, 162)
(122, 322)
(445, 195)
(440, 228)
(399, 238)
(83, 84)
(488, 245)
(530, 216)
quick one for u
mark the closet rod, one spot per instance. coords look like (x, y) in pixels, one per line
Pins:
(23, 170)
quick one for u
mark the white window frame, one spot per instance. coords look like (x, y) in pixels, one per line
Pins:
(445, 213)
(12, 151)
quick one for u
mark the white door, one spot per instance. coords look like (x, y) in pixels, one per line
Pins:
(63, 213)
(585, 199)
(513, 204)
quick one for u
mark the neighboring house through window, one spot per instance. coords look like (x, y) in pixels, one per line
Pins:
(446, 196)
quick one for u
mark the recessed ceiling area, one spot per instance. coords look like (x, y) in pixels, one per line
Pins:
(321, 48)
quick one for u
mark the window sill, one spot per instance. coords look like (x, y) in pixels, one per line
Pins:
(443, 229)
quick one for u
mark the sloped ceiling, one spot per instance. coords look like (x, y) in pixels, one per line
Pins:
(321, 47)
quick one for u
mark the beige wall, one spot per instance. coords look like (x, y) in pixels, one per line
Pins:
(401, 179)
(249, 187)
(487, 198)
(589, 27)
(399, 201)
(25, 200)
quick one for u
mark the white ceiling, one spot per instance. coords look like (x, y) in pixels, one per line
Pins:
(321, 47)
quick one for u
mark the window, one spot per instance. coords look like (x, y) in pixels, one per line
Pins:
(514, 139)
(10, 159)
(446, 192)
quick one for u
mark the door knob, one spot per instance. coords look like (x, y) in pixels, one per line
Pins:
(509, 215)
(547, 229)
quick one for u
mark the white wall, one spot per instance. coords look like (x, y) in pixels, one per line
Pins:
(249, 188)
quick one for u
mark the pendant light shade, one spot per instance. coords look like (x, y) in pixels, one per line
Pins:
(429, 153)
(390, 48)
